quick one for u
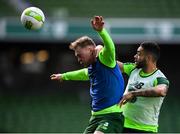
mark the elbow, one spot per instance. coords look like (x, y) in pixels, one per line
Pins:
(163, 92)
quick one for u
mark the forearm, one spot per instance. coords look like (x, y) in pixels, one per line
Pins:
(159, 91)
(146, 93)
(107, 55)
(81, 75)
(108, 43)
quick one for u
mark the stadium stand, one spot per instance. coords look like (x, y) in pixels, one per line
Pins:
(107, 8)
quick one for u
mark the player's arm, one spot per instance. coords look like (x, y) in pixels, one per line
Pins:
(160, 90)
(107, 54)
(126, 68)
(78, 75)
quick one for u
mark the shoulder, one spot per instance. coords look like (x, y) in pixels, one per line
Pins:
(160, 78)
(160, 73)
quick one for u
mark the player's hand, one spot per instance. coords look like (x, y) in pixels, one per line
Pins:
(127, 97)
(97, 23)
(56, 77)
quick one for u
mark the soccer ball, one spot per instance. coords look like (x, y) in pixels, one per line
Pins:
(32, 18)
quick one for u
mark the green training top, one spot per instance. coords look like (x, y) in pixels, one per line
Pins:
(107, 57)
(142, 113)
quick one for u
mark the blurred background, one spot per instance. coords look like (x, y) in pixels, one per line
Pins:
(31, 102)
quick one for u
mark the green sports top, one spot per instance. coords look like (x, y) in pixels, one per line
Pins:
(107, 57)
(142, 112)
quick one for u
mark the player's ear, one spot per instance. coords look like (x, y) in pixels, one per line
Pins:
(149, 57)
(99, 47)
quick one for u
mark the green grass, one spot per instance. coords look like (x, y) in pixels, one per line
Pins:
(43, 114)
(64, 113)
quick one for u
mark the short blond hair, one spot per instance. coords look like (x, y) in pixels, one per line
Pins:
(82, 42)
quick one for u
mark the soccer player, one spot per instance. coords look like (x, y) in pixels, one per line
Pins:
(146, 88)
(106, 80)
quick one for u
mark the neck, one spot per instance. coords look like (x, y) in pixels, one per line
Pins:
(149, 68)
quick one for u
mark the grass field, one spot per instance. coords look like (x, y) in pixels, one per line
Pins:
(61, 113)
(42, 114)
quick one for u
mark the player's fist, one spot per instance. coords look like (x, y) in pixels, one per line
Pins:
(56, 77)
(97, 23)
(126, 98)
